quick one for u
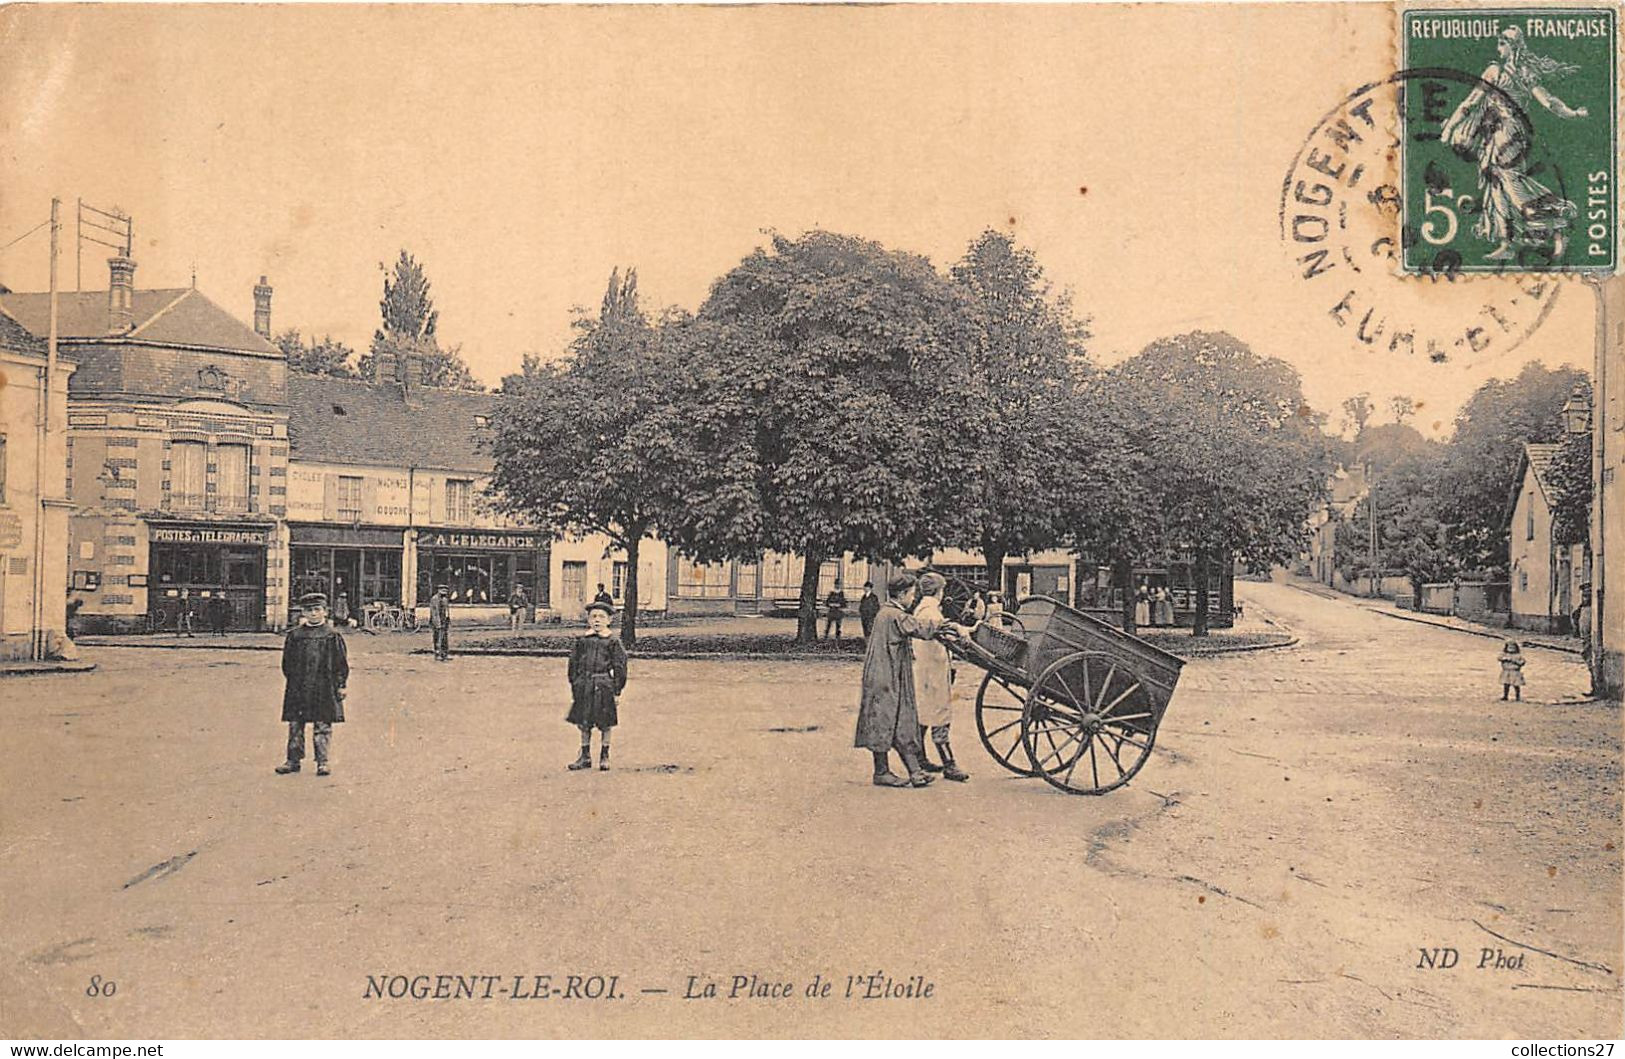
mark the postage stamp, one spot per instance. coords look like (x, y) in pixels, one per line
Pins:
(1509, 140)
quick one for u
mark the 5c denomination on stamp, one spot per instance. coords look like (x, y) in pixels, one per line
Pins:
(1509, 139)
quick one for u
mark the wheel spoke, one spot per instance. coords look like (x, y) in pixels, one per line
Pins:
(1121, 736)
(1113, 752)
(1094, 766)
(1068, 688)
(1131, 690)
(1105, 686)
(1059, 750)
(1002, 727)
(1125, 717)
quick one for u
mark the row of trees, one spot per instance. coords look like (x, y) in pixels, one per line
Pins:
(408, 322)
(1441, 509)
(832, 395)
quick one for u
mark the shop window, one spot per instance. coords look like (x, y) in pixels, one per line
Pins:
(349, 498)
(459, 500)
(189, 464)
(477, 578)
(231, 478)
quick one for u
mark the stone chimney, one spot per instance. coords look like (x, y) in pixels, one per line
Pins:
(1577, 412)
(120, 294)
(383, 368)
(262, 308)
(410, 369)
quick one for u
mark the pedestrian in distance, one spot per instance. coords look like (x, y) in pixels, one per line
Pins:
(597, 674)
(440, 622)
(518, 601)
(1512, 662)
(219, 615)
(184, 619)
(868, 607)
(834, 611)
(1581, 619)
(605, 598)
(887, 716)
(316, 668)
(933, 676)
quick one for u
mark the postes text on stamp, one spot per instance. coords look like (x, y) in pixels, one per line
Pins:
(1509, 139)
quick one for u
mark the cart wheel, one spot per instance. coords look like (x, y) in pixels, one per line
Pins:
(1000, 706)
(1090, 725)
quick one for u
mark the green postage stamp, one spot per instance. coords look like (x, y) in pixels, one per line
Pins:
(1510, 139)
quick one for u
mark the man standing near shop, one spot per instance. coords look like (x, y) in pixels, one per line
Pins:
(440, 622)
(518, 602)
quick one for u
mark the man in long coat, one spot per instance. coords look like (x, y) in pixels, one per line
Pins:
(316, 667)
(887, 718)
(440, 623)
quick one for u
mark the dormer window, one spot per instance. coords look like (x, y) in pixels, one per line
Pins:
(481, 422)
(338, 410)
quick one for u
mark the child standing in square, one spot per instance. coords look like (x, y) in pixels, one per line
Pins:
(317, 667)
(1512, 661)
(597, 675)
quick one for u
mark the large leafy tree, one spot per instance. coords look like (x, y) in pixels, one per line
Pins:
(324, 356)
(1411, 537)
(1021, 371)
(1239, 461)
(1482, 457)
(408, 330)
(839, 358)
(589, 443)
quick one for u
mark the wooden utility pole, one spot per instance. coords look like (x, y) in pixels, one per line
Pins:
(37, 641)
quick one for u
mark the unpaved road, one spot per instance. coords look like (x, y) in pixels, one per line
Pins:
(1312, 819)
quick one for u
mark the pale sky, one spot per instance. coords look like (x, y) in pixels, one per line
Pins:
(521, 153)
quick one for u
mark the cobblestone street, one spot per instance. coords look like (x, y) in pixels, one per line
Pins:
(1312, 819)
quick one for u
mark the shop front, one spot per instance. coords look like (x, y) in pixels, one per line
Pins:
(353, 566)
(480, 567)
(206, 576)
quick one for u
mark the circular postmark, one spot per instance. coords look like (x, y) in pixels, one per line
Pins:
(1341, 223)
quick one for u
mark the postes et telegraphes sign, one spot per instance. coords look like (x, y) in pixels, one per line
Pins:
(209, 535)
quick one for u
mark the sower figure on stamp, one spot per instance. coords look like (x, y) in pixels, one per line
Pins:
(316, 666)
(597, 674)
(887, 717)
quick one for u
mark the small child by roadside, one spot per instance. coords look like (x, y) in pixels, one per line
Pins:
(597, 674)
(1512, 661)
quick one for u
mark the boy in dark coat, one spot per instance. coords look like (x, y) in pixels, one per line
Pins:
(868, 608)
(597, 674)
(887, 715)
(317, 667)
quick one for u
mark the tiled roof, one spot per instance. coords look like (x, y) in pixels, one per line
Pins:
(348, 421)
(1540, 455)
(182, 316)
(14, 336)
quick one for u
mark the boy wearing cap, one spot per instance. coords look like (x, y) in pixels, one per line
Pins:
(316, 667)
(597, 674)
